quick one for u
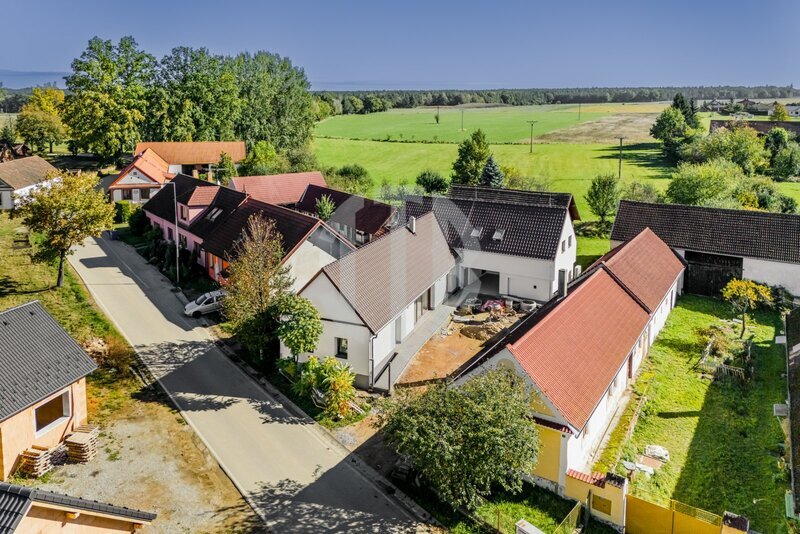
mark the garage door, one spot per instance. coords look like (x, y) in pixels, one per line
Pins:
(707, 274)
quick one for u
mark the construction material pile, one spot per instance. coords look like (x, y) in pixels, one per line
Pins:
(82, 444)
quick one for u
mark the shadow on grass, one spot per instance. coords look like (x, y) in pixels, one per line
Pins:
(647, 155)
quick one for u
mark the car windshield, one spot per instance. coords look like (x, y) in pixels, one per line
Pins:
(200, 299)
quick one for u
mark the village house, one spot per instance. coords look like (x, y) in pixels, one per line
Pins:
(720, 244)
(280, 189)
(212, 218)
(194, 158)
(26, 510)
(9, 151)
(20, 177)
(42, 383)
(141, 179)
(508, 242)
(793, 110)
(357, 218)
(581, 350)
(762, 127)
(374, 301)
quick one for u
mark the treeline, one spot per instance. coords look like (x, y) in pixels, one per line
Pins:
(348, 102)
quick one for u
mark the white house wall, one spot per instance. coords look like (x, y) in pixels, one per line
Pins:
(175, 169)
(565, 259)
(6, 200)
(134, 177)
(305, 262)
(774, 273)
(521, 277)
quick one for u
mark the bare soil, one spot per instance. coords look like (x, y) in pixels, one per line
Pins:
(635, 127)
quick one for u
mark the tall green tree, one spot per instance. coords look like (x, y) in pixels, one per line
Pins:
(432, 182)
(226, 169)
(106, 103)
(779, 113)
(700, 184)
(671, 129)
(195, 98)
(687, 108)
(492, 176)
(776, 140)
(469, 440)
(739, 144)
(276, 102)
(71, 209)
(298, 324)
(256, 282)
(603, 196)
(39, 129)
(473, 153)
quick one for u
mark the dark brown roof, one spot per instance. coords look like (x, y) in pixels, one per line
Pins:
(754, 234)
(25, 172)
(384, 276)
(363, 214)
(197, 152)
(292, 226)
(278, 188)
(762, 127)
(530, 230)
(516, 196)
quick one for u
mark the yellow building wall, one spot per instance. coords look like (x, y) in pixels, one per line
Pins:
(538, 405)
(579, 491)
(549, 463)
(18, 432)
(41, 520)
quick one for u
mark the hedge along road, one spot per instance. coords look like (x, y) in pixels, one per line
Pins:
(293, 474)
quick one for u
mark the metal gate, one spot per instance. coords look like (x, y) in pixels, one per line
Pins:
(644, 517)
(707, 274)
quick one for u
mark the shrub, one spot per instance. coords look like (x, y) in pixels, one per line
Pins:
(122, 210)
(432, 182)
(333, 379)
(118, 357)
(137, 222)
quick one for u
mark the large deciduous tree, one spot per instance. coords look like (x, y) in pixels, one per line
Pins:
(65, 213)
(39, 129)
(432, 182)
(779, 113)
(671, 129)
(467, 440)
(745, 295)
(473, 153)
(603, 196)
(107, 103)
(226, 169)
(704, 183)
(739, 144)
(256, 282)
(298, 324)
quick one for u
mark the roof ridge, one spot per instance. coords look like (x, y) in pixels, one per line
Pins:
(758, 213)
(18, 306)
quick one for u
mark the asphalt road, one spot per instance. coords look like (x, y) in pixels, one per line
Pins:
(289, 470)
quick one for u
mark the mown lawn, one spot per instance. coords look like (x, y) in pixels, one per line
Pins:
(723, 440)
(591, 248)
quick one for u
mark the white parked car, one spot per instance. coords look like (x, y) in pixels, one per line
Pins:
(205, 303)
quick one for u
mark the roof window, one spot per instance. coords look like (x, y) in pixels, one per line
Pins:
(476, 232)
(214, 214)
(499, 234)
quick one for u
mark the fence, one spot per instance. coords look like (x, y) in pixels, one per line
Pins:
(720, 369)
(644, 517)
(570, 523)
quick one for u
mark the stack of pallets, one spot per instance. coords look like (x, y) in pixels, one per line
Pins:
(82, 444)
(35, 462)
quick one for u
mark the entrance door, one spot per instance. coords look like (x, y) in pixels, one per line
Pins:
(419, 308)
(136, 196)
(398, 330)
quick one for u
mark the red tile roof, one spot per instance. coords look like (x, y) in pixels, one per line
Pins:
(203, 196)
(646, 265)
(595, 479)
(278, 188)
(150, 164)
(199, 152)
(574, 352)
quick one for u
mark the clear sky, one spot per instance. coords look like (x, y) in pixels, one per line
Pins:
(435, 44)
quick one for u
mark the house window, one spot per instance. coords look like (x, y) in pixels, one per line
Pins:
(145, 193)
(127, 194)
(563, 246)
(169, 234)
(183, 212)
(341, 347)
(52, 413)
(569, 241)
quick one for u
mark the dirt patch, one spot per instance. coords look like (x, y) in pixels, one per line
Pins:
(149, 459)
(635, 127)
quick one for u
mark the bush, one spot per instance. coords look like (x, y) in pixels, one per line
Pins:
(137, 222)
(333, 379)
(122, 210)
(118, 357)
(432, 182)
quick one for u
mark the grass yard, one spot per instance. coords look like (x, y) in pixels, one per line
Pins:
(500, 124)
(724, 443)
(591, 248)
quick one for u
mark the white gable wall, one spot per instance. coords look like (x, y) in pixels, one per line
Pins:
(305, 262)
(6, 199)
(774, 273)
(136, 177)
(566, 259)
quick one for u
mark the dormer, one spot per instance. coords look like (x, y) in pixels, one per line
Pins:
(197, 203)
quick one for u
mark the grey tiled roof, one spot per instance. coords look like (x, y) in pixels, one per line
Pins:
(361, 213)
(516, 196)
(37, 358)
(531, 230)
(754, 234)
(15, 500)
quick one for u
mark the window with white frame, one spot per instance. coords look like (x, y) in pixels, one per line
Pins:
(52, 413)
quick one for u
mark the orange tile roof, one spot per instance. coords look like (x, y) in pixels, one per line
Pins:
(646, 265)
(595, 479)
(278, 188)
(203, 196)
(199, 152)
(574, 352)
(151, 165)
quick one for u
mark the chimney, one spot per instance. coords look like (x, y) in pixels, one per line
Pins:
(412, 225)
(562, 283)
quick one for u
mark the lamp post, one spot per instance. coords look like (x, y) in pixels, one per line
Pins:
(177, 246)
(532, 123)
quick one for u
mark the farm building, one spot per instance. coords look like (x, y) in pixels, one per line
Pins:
(194, 158)
(212, 218)
(19, 177)
(720, 244)
(374, 301)
(42, 383)
(510, 243)
(762, 127)
(29, 510)
(580, 351)
(281, 189)
(141, 179)
(357, 218)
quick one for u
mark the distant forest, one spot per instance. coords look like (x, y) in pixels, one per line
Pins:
(368, 101)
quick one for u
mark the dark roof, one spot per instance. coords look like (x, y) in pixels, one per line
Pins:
(363, 214)
(516, 196)
(381, 278)
(25, 172)
(762, 127)
(293, 226)
(225, 200)
(531, 230)
(755, 234)
(15, 501)
(38, 358)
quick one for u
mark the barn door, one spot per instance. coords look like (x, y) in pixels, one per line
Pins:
(707, 274)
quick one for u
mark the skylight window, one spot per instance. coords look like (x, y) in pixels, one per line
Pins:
(499, 234)
(214, 214)
(476, 232)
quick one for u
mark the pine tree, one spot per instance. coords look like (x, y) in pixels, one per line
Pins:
(492, 176)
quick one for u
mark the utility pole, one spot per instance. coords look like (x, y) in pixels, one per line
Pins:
(532, 123)
(579, 112)
(620, 157)
(462, 119)
(177, 238)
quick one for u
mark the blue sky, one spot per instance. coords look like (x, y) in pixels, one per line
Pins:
(434, 44)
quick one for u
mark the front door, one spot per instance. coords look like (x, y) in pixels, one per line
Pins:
(136, 196)
(419, 309)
